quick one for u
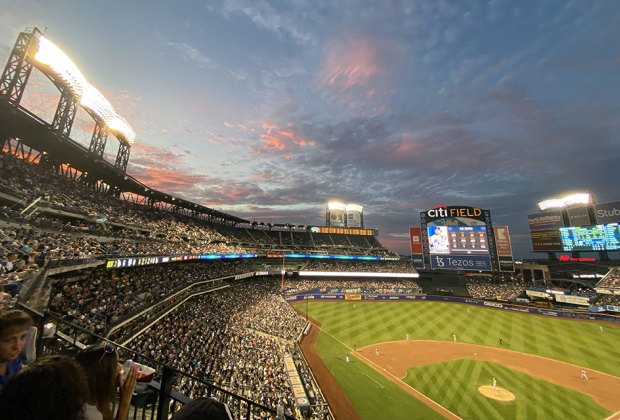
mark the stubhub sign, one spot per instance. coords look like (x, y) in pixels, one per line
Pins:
(461, 262)
(607, 213)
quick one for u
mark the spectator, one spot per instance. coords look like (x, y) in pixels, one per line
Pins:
(52, 387)
(103, 375)
(14, 326)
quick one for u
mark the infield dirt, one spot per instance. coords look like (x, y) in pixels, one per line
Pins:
(398, 356)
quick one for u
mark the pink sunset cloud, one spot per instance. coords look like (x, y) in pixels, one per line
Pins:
(355, 68)
(281, 139)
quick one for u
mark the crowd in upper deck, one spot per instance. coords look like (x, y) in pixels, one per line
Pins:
(144, 229)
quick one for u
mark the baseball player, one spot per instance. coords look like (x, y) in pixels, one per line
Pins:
(377, 352)
(454, 337)
(494, 384)
(407, 336)
(584, 375)
(347, 357)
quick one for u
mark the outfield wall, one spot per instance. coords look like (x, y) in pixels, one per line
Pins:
(456, 299)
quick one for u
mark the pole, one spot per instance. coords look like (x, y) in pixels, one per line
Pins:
(306, 307)
(283, 271)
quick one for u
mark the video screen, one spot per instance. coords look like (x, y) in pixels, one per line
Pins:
(591, 238)
(457, 240)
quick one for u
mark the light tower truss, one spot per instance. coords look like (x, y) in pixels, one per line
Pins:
(33, 49)
(17, 69)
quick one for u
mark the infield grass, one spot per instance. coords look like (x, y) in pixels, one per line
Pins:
(455, 384)
(372, 395)
(348, 324)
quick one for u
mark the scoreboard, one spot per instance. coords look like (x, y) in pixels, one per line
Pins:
(591, 238)
(343, 231)
(468, 239)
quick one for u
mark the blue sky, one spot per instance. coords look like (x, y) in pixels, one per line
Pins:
(267, 109)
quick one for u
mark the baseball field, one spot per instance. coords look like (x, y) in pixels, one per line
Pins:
(434, 360)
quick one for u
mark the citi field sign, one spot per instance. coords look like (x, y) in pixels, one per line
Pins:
(443, 212)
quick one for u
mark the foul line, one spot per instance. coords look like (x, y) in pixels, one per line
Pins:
(391, 375)
(614, 416)
(374, 380)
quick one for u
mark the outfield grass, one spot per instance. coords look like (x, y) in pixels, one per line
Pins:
(348, 324)
(455, 384)
(372, 395)
(578, 342)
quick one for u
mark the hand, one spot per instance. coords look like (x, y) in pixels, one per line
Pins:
(129, 384)
(126, 388)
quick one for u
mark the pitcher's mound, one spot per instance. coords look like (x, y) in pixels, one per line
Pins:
(499, 394)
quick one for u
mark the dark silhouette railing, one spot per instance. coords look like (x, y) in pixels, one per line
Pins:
(154, 400)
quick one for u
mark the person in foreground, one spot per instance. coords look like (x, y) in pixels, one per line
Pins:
(14, 326)
(103, 373)
(50, 388)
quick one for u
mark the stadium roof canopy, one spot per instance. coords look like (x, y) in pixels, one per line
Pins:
(34, 132)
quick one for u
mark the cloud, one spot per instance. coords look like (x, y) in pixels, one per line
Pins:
(282, 140)
(265, 16)
(359, 70)
(143, 154)
(191, 54)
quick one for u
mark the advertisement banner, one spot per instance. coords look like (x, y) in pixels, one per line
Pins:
(352, 297)
(546, 240)
(575, 300)
(606, 213)
(301, 399)
(418, 261)
(461, 262)
(535, 293)
(506, 264)
(578, 216)
(415, 237)
(336, 214)
(545, 221)
(354, 218)
(502, 241)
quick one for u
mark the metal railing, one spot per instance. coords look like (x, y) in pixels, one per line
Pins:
(156, 400)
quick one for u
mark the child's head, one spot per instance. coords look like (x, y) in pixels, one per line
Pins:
(14, 325)
(52, 387)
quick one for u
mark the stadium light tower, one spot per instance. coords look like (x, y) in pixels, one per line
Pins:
(33, 50)
(569, 200)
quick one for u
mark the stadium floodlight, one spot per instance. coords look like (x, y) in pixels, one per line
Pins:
(121, 126)
(52, 56)
(90, 98)
(569, 200)
(354, 207)
(96, 102)
(336, 205)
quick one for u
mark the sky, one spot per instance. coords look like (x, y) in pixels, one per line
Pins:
(269, 109)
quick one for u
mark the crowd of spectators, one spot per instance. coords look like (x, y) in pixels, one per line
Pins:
(372, 286)
(106, 296)
(73, 206)
(379, 266)
(604, 299)
(504, 289)
(611, 279)
(233, 337)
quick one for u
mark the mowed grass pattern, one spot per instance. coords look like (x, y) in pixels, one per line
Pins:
(456, 383)
(578, 342)
(349, 324)
(372, 395)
